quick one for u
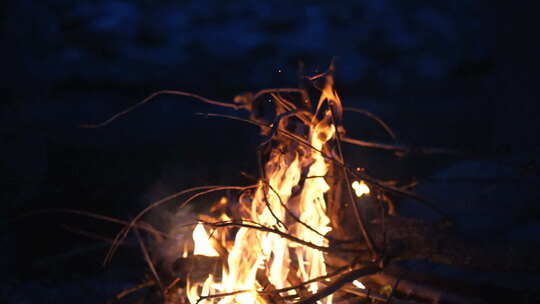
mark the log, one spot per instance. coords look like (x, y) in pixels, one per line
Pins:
(412, 239)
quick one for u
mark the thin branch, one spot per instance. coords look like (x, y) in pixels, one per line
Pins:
(280, 90)
(285, 289)
(263, 179)
(220, 188)
(275, 126)
(352, 197)
(342, 280)
(88, 234)
(374, 117)
(297, 219)
(171, 284)
(124, 232)
(134, 289)
(366, 293)
(278, 232)
(149, 261)
(316, 279)
(152, 96)
(291, 214)
(351, 170)
(140, 225)
(221, 295)
(401, 148)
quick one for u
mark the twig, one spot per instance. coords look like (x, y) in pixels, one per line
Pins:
(91, 235)
(124, 232)
(141, 225)
(149, 261)
(134, 289)
(342, 280)
(317, 279)
(221, 295)
(401, 148)
(280, 90)
(374, 117)
(296, 218)
(278, 232)
(275, 126)
(220, 188)
(352, 197)
(152, 96)
(285, 289)
(266, 183)
(366, 293)
(171, 285)
(351, 170)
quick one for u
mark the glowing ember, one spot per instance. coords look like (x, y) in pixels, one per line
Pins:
(358, 284)
(360, 188)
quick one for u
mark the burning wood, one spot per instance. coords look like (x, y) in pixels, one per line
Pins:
(292, 237)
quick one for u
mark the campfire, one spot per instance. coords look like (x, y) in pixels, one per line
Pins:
(273, 242)
(289, 199)
(299, 233)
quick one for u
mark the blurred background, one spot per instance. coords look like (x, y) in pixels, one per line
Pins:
(429, 69)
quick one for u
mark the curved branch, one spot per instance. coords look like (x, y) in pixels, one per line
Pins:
(401, 148)
(340, 282)
(152, 96)
(124, 232)
(374, 117)
(278, 232)
(352, 171)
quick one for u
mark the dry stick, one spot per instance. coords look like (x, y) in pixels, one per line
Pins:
(194, 196)
(149, 261)
(123, 233)
(171, 285)
(152, 96)
(273, 132)
(374, 117)
(290, 213)
(301, 91)
(280, 90)
(278, 232)
(401, 148)
(366, 293)
(140, 225)
(181, 93)
(359, 175)
(277, 122)
(263, 178)
(221, 295)
(317, 279)
(90, 235)
(352, 197)
(342, 280)
(134, 289)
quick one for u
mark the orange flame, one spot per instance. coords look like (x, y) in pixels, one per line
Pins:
(255, 251)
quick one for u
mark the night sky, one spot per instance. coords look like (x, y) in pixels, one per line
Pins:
(450, 74)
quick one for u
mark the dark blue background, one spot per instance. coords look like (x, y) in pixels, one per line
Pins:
(433, 70)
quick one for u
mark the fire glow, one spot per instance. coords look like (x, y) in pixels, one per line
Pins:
(294, 181)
